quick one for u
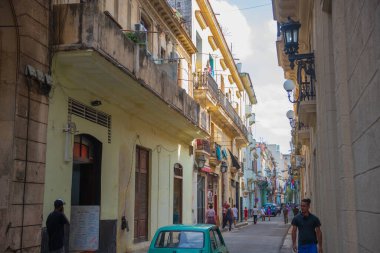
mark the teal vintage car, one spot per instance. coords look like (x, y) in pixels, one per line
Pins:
(200, 238)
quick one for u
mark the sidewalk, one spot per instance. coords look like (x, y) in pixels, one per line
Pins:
(287, 244)
(238, 225)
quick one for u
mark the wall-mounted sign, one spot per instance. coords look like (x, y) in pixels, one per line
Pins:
(84, 228)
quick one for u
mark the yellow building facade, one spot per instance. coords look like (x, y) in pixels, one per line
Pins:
(121, 123)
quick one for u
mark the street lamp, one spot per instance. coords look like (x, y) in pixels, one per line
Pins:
(290, 116)
(223, 167)
(290, 31)
(305, 62)
(201, 161)
(289, 87)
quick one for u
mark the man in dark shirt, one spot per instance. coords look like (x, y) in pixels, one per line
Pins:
(55, 227)
(309, 231)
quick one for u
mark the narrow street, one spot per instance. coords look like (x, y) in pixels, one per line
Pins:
(265, 236)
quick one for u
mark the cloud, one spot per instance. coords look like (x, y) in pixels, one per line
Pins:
(235, 28)
(253, 34)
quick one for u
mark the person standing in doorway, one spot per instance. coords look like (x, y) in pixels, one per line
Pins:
(210, 215)
(255, 212)
(235, 211)
(55, 227)
(309, 230)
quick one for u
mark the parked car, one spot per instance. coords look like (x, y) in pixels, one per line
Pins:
(273, 207)
(203, 238)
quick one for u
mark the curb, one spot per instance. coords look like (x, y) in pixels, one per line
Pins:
(287, 242)
(238, 225)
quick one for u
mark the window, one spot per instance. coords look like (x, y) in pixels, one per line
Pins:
(163, 53)
(218, 238)
(180, 239)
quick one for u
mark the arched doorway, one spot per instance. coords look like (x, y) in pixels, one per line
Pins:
(85, 193)
(177, 199)
(85, 189)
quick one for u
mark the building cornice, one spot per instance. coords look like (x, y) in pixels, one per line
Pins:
(249, 87)
(167, 14)
(213, 24)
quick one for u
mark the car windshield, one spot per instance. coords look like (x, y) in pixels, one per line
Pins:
(180, 240)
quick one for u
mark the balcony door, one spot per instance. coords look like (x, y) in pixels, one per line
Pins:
(177, 198)
(141, 195)
(201, 211)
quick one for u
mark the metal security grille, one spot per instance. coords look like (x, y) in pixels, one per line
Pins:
(81, 110)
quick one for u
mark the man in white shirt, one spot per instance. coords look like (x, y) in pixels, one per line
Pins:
(255, 212)
(235, 211)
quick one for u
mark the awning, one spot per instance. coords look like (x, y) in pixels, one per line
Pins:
(235, 162)
(206, 169)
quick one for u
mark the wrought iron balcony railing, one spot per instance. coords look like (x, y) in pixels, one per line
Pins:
(204, 81)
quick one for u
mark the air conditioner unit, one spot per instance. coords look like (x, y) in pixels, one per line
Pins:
(159, 61)
(141, 34)
(252, 119)
(140, 28)
(173, 55)
(248, 111)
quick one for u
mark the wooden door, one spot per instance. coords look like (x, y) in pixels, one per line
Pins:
(141, 195)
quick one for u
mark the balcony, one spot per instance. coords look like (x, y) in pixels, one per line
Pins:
(93, 54)
(202, 146)
(213, 156)
(205, 90)
(307, 105)
(206, 93)
(304, 135)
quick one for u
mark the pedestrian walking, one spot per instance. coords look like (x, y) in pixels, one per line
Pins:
(285, 211)
(309, 230)
(229, 218)
(210, 215)
(235, 212)
(262, 214)
(269, 212)
(224, 212)
(255, 212)
(295, 210)
(245, 214)
(55, 227)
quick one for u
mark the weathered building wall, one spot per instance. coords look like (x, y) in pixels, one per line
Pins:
(23, 40)
(361, 109)
(347, 60)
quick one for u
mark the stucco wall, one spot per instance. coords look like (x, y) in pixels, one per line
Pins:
(118, 163)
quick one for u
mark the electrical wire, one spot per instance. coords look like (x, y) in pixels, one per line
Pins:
(130, 172)
(252, 7)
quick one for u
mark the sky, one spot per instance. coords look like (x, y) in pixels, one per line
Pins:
(253, 33)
